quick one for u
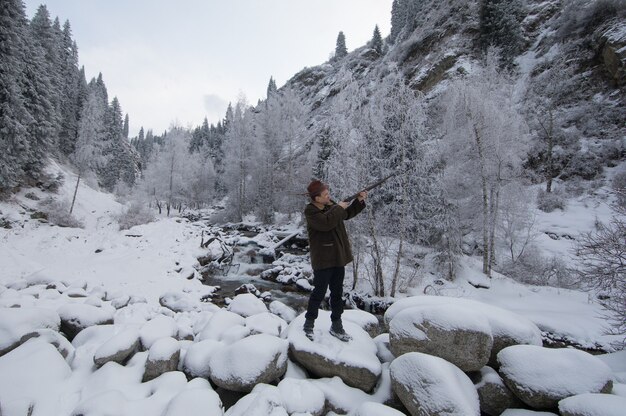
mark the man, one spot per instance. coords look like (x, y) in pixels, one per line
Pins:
(330, 251)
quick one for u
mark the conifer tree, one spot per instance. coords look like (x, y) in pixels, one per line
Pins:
(271, 88)
(72, 93)
(13, 114)
(500, 27)
(377, 41)
(340, 48)
(126, 126)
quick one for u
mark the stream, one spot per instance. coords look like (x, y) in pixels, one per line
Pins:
(245, 270)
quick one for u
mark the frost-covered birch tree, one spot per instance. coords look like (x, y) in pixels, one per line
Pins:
(485, 137)
(240, 160)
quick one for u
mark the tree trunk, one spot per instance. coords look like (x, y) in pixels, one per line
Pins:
(485, 203)
(75, 191)
(379, 283)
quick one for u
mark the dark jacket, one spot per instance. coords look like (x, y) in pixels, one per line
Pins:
(328, 241)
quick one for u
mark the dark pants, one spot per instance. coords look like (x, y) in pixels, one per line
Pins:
(322, 279)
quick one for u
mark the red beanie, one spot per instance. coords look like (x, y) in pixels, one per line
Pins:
(315, 188)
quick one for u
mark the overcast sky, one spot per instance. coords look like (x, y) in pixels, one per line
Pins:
(180, 61)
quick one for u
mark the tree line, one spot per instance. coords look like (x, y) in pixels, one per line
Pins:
(49, 109)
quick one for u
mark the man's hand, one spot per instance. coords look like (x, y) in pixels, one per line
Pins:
(343, 204)
(362, 196)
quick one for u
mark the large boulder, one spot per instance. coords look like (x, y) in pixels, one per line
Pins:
(593, 404)
(17, 323)
(197, 359)
(245, 363)
(455, 333)
(163, 357)
(541, 377)
(159, 327)
(507, 328)
(495, 397)
(77, 316)
(430, 386)
(118, 348)
(355, 361)
(197, 400)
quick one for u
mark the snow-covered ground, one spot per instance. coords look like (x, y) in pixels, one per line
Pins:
(54, 268)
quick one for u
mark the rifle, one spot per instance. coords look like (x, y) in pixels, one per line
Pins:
(370, 187)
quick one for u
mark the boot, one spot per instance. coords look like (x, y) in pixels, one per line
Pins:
(308, 328)
(336, 330)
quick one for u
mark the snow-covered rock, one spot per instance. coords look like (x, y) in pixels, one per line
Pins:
(526, 412)
(118, 348)
(541, 377)
(593, 404)
(266, 323)
(453, 332)
(246, 305)
(160, 327)
(365, 320)
(507, 328)
(429, 385)
(197, 359)
(355, 361)
(494, 395)
(280, 309)
(245, 363)
(617, 362)
(58, 341)
(32, 375)
(264, 400)
(220, 323)
(301, 397)
(15, 323)
(162, 357)
(179, 302)
(376, 409)
(196, 401)
(77, 316)
(383, 352)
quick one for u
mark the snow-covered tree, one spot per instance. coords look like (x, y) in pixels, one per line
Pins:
(14, 117)
(485, 138)
(377, 40)
(89, 153)
(500, 27)
(340, 49)
(240, 160)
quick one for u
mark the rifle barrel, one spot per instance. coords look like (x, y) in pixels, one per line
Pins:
(369, 187)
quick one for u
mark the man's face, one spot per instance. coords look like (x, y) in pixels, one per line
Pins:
(323, 198)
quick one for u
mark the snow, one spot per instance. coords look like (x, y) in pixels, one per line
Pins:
(439, 387)
(32, 375)
(559, 372)
(524, 412)
(247, 358)
(376, 409)
(358, 352)
(301, 396)
(17, 322)
(446, 317)
(247, 305)
(121, 341)
(100, 273)
(163, 349)
(594, 405)
(159, 327)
